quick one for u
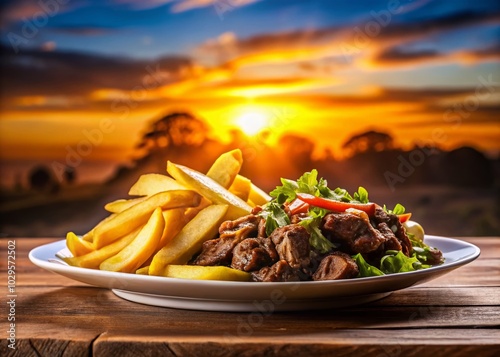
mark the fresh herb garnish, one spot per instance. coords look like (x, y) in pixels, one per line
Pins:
(312, 223)
(396, 262)
(362, 195)
(398, 209)
(307, 183)
(275, 217)
(366, 269)
(286, 192)
(421, 251)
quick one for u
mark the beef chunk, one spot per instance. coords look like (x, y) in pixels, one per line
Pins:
(219, 251)
(261, 229)
(335, 266)
(392, 242)
(244, 226)
(292, 245)
(297, 218)
(353, 232)
(392, 221)
(279, 271)
(252, 254)
(435, 258)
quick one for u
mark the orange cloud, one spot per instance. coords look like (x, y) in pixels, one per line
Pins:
(351, 45)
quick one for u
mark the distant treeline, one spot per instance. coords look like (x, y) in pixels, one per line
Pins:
(369, 159)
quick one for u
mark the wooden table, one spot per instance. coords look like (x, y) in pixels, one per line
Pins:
(455, 315)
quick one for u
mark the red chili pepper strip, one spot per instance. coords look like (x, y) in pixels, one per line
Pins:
(404, 217)
(336, 206)
(298, 206)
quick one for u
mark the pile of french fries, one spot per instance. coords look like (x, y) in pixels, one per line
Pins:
(159, 230)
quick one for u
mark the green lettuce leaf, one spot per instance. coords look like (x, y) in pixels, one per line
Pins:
(366, 269)
(275, 217)
(397, 262)
(317, 240)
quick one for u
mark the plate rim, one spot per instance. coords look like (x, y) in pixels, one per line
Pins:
(60, 268)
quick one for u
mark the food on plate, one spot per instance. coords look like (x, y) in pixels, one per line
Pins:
(209, 189)
(139, 214)
(221, 226)
(93, 259)
(130, 258)
(150, 184)
(189, 240)
(205, 273)
(225, 169)
(167, 221)
(311, 232)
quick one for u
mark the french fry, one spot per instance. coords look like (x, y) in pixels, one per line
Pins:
(130, 258)
(206, 273)
(121, 205)
(189, 240)
(226, 167)
(210, 189)
(174, 219)
(258, 196)
(241, 187)
(143, 270)
(93, 259)
(89, 236)
(137, 215)
(193, 211)
(78, 246)
(158, 232)
(150, 184)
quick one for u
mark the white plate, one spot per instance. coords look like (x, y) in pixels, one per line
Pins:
(252, 296)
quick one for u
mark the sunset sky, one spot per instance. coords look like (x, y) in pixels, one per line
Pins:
(426, 71)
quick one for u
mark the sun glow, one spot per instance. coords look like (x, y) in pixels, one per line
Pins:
(252, 122)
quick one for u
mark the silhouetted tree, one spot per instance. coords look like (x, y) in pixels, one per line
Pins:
(69, 175)
(370, 141)
(42, 179)
(175, 130)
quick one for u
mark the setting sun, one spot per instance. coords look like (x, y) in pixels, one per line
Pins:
(252, 122)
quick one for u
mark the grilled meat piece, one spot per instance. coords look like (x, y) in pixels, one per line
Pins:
(261, 229)
(396, 227)
(292, 245)
(392, 242)
(436, 257)
(244, 226)
(335, 266)
(296, 218)
(219, 251)
(279, 271)
(353, 232)
(252, 254)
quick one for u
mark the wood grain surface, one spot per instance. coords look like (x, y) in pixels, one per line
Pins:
(455, 315)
